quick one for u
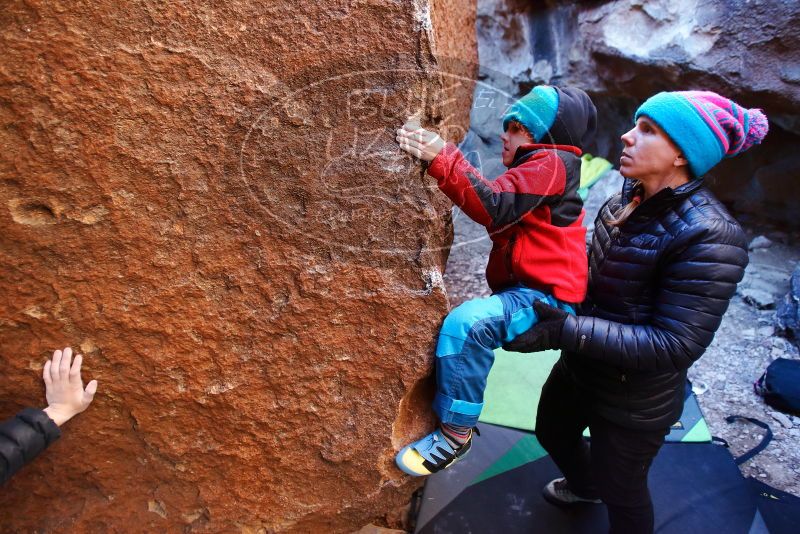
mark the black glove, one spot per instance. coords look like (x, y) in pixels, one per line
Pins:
(545, 334)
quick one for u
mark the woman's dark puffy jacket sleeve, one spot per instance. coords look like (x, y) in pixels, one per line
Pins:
(696, 280)
(22, 438)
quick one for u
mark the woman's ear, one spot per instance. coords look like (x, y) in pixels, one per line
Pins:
(680, 161)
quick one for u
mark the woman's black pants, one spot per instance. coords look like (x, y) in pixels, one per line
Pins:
(613, 466)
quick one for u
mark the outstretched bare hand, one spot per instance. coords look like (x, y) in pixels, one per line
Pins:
(418, 141)
(64, 387)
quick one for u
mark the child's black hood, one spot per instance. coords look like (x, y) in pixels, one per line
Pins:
(576, 119)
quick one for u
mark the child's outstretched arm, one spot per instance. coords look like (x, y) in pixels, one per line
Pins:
(495, 203)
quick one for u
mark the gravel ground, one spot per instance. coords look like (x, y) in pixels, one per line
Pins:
(744, 345)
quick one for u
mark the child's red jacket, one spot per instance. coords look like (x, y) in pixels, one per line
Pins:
(533, 214)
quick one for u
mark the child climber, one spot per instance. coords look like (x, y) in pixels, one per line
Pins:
(533, 215)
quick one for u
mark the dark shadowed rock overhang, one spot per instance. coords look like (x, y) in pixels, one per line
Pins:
(623, 51)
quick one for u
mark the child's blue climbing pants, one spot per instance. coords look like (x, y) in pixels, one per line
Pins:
(465, 352)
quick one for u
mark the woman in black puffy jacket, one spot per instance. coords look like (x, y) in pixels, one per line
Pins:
(663, 265)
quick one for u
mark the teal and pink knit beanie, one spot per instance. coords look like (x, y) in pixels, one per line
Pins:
(706, 127)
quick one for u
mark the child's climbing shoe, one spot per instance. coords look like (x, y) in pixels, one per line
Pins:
(430, 454)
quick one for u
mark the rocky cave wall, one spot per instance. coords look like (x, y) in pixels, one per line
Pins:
(623, 51)
(208, 203)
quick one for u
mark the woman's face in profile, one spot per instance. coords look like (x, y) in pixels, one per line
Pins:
(648, 153)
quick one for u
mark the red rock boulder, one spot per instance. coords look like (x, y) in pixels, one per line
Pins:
(208, 203)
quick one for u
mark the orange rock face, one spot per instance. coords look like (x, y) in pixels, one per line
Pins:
(209, 204)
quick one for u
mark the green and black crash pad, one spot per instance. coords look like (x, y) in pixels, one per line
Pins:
(515, 383)
(696, 487)
(513, 387)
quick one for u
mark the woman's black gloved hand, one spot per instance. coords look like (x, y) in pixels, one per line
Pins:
(545, 334)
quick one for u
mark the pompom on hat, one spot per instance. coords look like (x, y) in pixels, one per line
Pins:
(706, 127)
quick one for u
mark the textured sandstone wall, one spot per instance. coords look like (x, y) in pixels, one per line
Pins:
(207, 200)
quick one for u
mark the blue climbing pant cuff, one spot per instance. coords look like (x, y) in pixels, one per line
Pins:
(456, 412)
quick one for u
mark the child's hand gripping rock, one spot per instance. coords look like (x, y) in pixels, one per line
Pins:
(418, 141)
